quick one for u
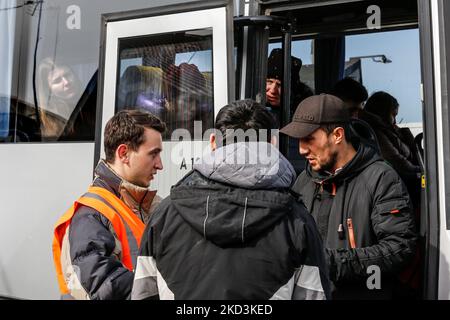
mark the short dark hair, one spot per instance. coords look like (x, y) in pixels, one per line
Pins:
(329, 127)
(244, 114)
(382, 104)
(349, 89)
(128, 127)
(349, 134)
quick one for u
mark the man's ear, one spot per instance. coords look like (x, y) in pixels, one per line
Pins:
(274, 141)
(339, 135)
(122, 153)
(212, 141)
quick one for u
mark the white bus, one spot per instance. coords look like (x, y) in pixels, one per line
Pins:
(68, 65)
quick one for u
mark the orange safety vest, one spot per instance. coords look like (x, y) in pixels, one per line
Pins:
(115, 210)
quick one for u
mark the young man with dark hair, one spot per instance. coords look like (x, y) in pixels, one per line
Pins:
(353, 93)
(231, 229)
(96, 241)
(360, 205)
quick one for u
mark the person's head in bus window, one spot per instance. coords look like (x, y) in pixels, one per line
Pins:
(133, 145)
(275, 77)
(353, 93)
(384, 106)
(58, 81)
(193, 101)
(62, 82)
(58, 92)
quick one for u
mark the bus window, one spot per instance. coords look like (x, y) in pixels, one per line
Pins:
(390, 62)
(302, 49)
(169, 75)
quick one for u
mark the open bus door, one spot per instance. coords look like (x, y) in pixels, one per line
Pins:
(330, 37)
(176, 62)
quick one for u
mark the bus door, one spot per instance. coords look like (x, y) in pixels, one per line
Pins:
(175, 62)
(369, 42)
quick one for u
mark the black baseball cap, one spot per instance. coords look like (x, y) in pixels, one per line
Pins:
(315, 111)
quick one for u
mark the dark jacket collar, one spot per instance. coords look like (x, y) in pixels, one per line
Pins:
(365, 156)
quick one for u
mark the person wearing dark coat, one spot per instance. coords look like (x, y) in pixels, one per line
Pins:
(231, 228)
(358, 201)
(353, 93)
(396, 144)
(299, 91)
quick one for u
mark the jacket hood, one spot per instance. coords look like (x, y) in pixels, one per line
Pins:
(250, 165)
(220, 202)
(367, 152)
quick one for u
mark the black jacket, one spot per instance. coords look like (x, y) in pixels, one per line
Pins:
(398, 149)
(393, 146)
(370, 193)
(232, 232)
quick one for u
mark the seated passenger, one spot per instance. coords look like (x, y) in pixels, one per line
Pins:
(353, 93)
(141, 86)
(189, 97)
(59, 90)
(396, 144)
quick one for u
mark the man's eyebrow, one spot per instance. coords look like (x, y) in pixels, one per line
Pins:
(155, 150)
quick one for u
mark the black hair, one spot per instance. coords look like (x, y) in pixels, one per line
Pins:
(244, 114)
(382, 104)
(349, 89)
(349, 132)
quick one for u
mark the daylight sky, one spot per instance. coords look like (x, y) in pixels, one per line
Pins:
(401, 78)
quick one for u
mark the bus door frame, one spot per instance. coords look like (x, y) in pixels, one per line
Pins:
(223, 64)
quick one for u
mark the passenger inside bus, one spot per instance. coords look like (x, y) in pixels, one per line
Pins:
(353, 93)
(299, 90)
(396, 144)
(178, 95)
(193, 100)
(58, 92)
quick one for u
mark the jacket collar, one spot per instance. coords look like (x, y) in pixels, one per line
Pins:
(365, 156)
(137, 198)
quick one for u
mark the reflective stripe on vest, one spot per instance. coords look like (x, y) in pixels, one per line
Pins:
(117, 212)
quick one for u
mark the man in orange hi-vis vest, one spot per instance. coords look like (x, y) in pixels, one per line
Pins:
(96, 241)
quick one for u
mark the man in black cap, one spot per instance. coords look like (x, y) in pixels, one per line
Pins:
(358, 201)
(299, 90)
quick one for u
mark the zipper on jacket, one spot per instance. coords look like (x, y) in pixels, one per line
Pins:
(351, 233)
(341, 231)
